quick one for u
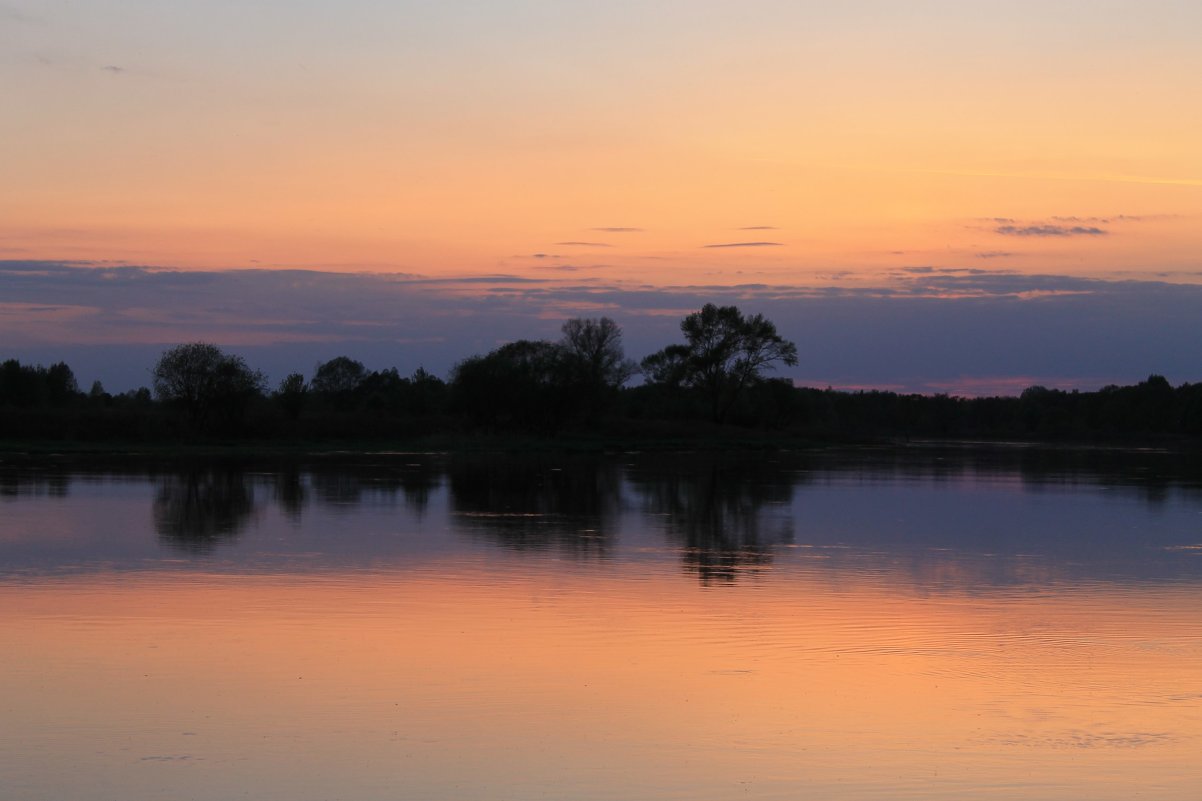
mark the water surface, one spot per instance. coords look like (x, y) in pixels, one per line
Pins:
(631, 626)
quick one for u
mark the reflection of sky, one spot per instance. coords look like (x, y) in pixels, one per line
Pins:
(654, 626)
(1003, 531)
(496, 680)
(990, 528)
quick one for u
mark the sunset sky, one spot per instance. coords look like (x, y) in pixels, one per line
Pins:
(936, 196)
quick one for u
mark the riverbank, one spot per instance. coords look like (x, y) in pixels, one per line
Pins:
(663, 438)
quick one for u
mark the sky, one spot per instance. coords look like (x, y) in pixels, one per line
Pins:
(927, 196)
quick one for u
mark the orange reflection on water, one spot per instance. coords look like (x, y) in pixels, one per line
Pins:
(595, 684)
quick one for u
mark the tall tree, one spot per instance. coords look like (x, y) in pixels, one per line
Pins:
(210, 385)
(340, 375)
(595, 362)
(517, 385)
(339, 382)
(35, 385)
(724, 354)
(61, 385)
(292, 394)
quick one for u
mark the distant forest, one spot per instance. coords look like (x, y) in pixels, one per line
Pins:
(716, 383)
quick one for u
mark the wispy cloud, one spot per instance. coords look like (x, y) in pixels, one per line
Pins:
(114, 69)
(499, 278)
(618, 230)
(744, 245)
(759, 228)
(1115, 219)
(1079, 220)
(585, 244)
(1050, 230)
(567, 268)
(993, 254)
(1065, 225)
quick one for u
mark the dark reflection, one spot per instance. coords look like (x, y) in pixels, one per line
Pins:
(932, 516)
(1150, 475)
(337, 489)
(289, 491)
(538, 501)
(719, 508)
(202, 508)
(54, 482)
(346, 485)
(418, 480)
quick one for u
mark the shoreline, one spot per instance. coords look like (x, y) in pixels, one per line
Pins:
(735, 442)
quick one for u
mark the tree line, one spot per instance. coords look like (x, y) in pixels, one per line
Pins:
(716, 381)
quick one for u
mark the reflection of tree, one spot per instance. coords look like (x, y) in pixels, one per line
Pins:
(15, 482)
(417, 480)
(203, 508)
(290, 492)
(537, 502)
(337, 488)
(347, 485)
(1151, 475)
(718, 510)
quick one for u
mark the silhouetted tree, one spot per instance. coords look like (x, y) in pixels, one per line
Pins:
(61, 386)
(427, 393)
(384, 391)
(211, 386)
(292, 394)
(35, 385)
(341, 374)
(669, 366)
(338, 380)
(520, 384)
(595, 362)
(596, 348)
(724, 354)
(137, 397)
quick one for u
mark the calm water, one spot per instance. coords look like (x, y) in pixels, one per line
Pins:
(838, 626)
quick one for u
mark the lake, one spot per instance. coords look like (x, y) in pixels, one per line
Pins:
(830, 625)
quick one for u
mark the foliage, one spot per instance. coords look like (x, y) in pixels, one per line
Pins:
(292, 394)
(725, 354)
(576, 384)
(30, 385)
(519, 384)
(338, 381)
(594, 363)
(541, 386)
(594, 350)
(341, 375)
(214, 388)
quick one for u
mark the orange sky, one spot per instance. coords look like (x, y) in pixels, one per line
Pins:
(449, 141)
